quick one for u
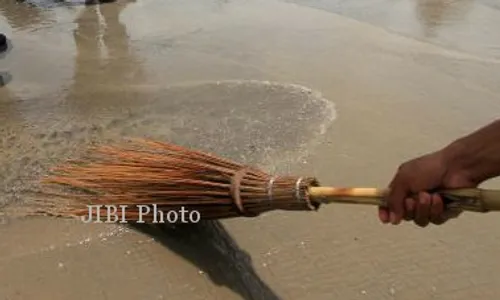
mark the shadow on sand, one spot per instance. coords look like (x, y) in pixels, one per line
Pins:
(211, 248)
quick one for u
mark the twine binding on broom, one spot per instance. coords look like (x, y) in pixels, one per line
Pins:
(235, 192)
(235, 189)
(270, 190)
(300, 191)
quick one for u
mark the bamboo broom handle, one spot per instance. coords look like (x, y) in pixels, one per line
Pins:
(470, 199)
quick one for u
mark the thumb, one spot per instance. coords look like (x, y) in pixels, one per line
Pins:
(383, 215)
(395, 202)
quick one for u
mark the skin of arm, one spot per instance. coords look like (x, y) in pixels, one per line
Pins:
(477, 155)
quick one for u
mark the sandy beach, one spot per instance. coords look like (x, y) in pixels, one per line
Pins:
(341, 90)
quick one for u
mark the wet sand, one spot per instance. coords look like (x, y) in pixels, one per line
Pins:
(340, 90)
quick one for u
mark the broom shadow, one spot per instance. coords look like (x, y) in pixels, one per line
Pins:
(211, 248)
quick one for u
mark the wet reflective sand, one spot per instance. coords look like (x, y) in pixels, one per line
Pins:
(342, 90)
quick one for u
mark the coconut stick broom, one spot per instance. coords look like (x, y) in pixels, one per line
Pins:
(171, 177)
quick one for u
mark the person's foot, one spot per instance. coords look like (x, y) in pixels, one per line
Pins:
(3, 42)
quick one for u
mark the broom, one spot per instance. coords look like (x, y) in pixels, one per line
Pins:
(144, 179)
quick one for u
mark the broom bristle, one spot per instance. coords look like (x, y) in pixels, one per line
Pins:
(167, 177)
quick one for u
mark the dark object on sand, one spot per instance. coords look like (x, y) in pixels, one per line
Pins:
(95, 2)
(3, 43)
(173, 178)
(5, 47)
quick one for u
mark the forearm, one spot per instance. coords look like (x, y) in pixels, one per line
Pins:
(478, 154)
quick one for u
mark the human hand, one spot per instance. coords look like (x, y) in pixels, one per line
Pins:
(411, 197)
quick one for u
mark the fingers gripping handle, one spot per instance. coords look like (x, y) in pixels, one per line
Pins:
(470, 199)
